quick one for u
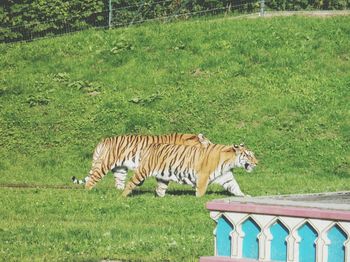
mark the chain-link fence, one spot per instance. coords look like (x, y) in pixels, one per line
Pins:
(25, 22)
(168, 10)
(118, 14)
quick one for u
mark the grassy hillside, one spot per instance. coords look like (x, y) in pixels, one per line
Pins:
(280, 85)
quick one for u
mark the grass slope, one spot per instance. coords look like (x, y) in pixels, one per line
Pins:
(281, 85)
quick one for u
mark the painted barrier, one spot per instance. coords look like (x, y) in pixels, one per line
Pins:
(293, 228)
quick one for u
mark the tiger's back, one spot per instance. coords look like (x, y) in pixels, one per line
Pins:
(122, 153)
(121, 149)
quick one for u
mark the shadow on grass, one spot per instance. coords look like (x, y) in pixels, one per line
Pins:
(38, 186)
(180, 192)
(136, 192)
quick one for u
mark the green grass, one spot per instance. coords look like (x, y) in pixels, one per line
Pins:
(279, 85)
(65, 225)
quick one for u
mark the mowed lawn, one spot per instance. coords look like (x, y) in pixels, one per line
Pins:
(280, 85)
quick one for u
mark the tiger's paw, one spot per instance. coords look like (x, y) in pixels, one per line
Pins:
(120, 187)
(126, 193)
(159, 194)
(88, 186)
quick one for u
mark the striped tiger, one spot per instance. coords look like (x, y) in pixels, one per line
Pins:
(122, 153)
(196, 166)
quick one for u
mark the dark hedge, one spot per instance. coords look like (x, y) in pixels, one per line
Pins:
(29, 19)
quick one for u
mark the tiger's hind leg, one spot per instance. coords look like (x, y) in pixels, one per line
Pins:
(202, 185)
(120, 174)
(136, 180)
(161, 188)
(97, 172)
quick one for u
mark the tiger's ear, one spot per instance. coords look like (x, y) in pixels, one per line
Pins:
(203, 140)
(201, 137)
(235, 148)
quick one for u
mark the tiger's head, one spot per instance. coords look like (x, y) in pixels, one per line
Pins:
(245, 158)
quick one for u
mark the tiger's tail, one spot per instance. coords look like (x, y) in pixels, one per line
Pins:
(79, 181)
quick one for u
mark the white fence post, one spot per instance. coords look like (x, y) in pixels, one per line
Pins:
(110, 14)
(262, 7)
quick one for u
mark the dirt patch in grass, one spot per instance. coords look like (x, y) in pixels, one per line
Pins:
(36, 186)
(318, 13)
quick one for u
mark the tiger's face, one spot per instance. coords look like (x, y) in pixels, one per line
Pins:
(245, 158)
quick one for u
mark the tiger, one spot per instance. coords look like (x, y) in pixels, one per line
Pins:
(195, 166)
(122, 153)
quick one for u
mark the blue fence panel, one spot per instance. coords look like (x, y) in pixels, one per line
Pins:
(336, 249)
(223, 238)
(279, 243)
(250, 241)
(307, 246)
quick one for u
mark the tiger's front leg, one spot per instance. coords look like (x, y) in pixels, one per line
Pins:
(229, 183)
(162, 186)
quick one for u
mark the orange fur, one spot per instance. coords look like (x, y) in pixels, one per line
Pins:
(123, 152)
(187, 164)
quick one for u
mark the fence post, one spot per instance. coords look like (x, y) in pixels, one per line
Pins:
(262, 7)
(110, 14)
